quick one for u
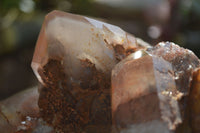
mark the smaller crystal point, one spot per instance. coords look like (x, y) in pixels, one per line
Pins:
(15, 109)
(152, 88)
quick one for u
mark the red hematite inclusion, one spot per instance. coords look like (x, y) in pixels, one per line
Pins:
(78, 59)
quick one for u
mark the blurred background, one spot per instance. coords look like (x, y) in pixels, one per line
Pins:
(152, 20)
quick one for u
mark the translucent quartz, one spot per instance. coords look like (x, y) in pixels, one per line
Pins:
(72, 38)
(150, 89)
(73, 60)
(146, 92)
(15, 109)
(96, 78)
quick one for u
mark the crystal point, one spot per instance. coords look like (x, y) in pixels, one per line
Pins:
(73, 38)
(73, 60)
(152, 88)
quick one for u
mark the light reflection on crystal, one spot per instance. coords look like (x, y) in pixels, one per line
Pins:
(137, 55)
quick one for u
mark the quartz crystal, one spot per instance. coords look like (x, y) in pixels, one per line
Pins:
(74, 38)
(96, 78)
(150, 90)
(73, 60)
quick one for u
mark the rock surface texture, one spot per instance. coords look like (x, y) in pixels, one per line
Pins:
(96, 78)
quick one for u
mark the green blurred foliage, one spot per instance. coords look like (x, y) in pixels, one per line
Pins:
(184, 23)
(5, 5)
(12, 16)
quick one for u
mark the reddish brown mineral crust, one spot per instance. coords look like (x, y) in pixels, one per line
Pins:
(71, 108)
(165, 70)
(121, 53)
(195, 102)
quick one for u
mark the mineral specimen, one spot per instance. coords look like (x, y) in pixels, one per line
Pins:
(73, 60)
(96, 78)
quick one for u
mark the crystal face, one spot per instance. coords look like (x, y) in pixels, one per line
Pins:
(152, 90)
(96, 78)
